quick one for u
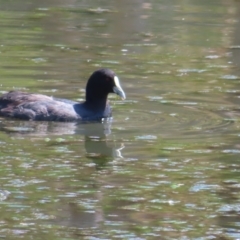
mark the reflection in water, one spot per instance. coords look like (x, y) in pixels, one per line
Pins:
(96, 142)
(97, 149)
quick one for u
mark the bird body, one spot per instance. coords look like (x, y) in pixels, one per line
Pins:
(38, 107)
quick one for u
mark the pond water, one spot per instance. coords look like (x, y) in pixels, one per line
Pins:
(166, 166)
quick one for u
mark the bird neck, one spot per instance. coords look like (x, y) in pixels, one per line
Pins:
(96, 103)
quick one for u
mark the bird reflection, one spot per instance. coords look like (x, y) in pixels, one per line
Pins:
(96, 142)
(99, 149)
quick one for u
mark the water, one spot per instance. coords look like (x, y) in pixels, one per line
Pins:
(167, 166)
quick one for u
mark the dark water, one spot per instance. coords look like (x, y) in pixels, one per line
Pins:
(167, 166)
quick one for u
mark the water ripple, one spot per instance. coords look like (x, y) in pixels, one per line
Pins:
(185, 120)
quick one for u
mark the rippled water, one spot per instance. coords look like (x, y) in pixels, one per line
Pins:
(166, 166)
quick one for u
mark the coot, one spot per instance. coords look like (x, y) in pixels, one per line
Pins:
(38, 107)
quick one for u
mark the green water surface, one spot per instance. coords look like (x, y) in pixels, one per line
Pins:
(167, 166)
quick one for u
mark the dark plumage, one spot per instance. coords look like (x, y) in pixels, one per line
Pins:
(39, 107)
